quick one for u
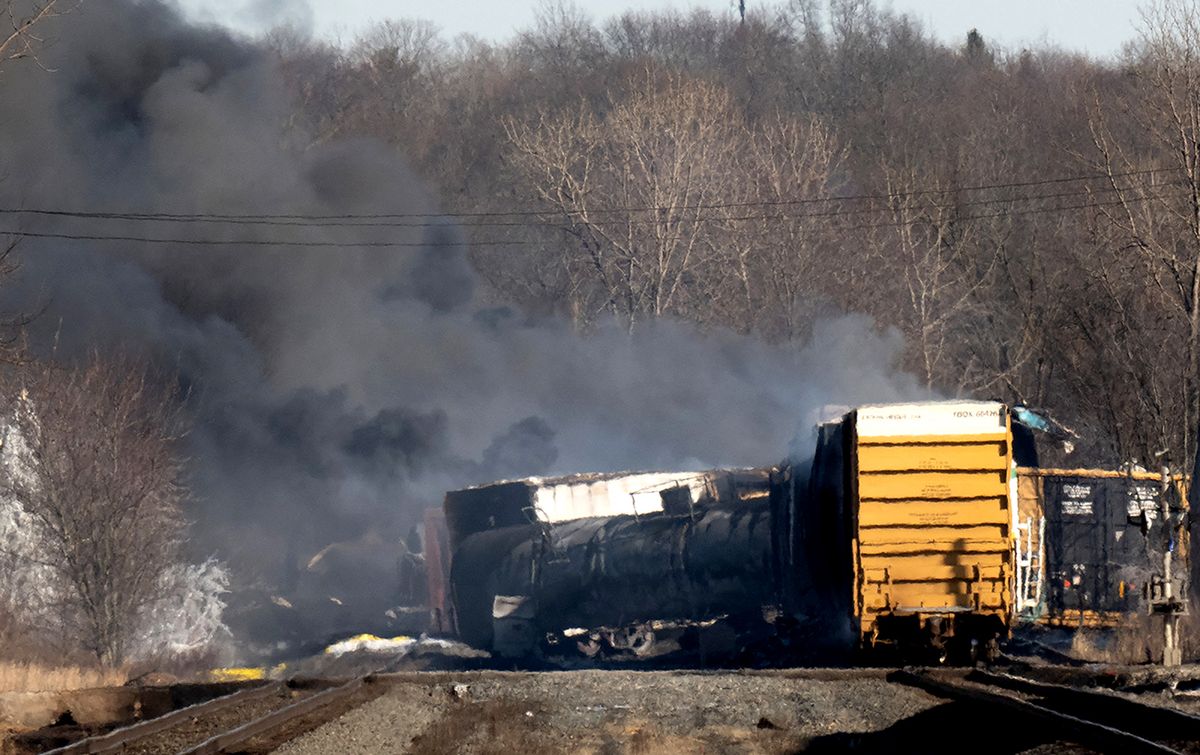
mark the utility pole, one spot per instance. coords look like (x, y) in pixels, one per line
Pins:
(1167, 605)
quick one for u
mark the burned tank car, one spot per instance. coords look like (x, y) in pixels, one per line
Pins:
(684, 556)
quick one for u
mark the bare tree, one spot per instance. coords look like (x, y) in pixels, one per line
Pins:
(22, 39)
(403, 47)
(636, 189)
(937, 270)
(776, 252)
(1151, 155)
(93, 469)
(399, 63)
(25, 21)
(659, 197)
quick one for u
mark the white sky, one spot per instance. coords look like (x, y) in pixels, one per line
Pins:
(1098, 27)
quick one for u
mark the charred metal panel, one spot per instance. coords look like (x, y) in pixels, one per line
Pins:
(583, 496)
(677, 501)
(820, 578)
(487, 507)
(476, 578)
(514, 625)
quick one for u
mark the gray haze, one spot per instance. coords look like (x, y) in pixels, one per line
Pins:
(338, 391)
(1097, 27)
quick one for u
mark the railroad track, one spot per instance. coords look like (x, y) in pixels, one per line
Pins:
(250, 720)
(1101, 720)
(259, 719)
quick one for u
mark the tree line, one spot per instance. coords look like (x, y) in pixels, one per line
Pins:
(1028, 219)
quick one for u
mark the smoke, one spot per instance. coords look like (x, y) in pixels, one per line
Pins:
(337, 391)
(255, 16)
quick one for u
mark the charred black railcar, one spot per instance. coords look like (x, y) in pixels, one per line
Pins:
(694, 549)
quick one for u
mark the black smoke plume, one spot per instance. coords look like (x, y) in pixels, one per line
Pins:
(338, 390)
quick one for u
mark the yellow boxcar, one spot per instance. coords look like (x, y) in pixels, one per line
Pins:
(931, 524)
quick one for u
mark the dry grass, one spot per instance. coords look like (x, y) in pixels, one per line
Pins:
(32, 677)
(1189, 634)
(1137, 639)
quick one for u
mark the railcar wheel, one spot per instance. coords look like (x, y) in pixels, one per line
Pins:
(642, 642)
(590, 647)
(638, 640)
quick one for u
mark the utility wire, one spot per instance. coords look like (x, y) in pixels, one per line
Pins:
(439, 218)
(1029, 211)
(253, 242)
(550, 224)
(403, 244)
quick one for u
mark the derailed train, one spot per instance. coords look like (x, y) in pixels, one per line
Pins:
(897, 536)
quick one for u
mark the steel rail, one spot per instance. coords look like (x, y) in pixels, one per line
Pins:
(1102, 737)
(1137, 716)
(240, 735)
(118, 739)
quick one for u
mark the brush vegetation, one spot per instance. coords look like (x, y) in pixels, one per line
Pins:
(36, 677)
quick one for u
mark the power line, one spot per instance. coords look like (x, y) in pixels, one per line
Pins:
(252, 242)
(913, 208)
(547, 224)
(440, 217)
(404, 244)
(1030, 211)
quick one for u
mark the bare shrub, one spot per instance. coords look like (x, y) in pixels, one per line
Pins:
(1138, 639)
(93, 475)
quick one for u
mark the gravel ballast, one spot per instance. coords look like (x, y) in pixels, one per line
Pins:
(614, 711)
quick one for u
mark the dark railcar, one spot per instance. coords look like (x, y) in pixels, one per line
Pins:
(757, 559)
(1105, 538)
(615, 572)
